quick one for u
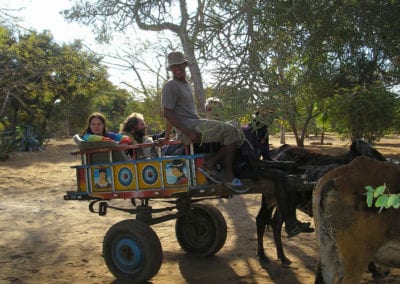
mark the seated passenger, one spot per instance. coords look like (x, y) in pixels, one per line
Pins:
(179, 110)
(135, 128)
(214, 108)
(96, 130)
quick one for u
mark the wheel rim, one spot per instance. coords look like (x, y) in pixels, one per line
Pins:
(127, 255)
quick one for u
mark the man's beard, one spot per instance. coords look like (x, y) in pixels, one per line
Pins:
(139, 135)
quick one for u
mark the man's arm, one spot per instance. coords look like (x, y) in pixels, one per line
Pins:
(168, 129)
(173, 120)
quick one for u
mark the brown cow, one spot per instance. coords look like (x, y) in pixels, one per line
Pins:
(349, 234)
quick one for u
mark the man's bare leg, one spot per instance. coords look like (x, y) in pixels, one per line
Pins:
(211, 162)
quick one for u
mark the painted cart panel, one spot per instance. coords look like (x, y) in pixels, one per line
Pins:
(159, 177)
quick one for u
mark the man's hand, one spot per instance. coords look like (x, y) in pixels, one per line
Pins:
(175, 121)
(125, 140)
(106, 139)
(194, 136)
(161, 142)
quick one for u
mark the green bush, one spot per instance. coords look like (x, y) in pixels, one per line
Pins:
(8, 145)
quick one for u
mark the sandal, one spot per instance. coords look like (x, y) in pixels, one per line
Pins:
(298, 228)
(237, 186)
(211, 175)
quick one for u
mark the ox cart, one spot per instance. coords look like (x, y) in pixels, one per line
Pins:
(131, 248)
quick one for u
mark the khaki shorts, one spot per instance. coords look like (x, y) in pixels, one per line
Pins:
(215, 131)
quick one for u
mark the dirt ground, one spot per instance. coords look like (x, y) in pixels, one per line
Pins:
(45, 239)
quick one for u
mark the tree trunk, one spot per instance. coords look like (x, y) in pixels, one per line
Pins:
(299, 140)
(194, 68)
(67, 128)
(283, 134)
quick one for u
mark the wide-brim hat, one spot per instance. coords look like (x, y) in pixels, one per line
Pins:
(175, 58)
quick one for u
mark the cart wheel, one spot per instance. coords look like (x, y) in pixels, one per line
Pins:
(202, 231)
(132, 251)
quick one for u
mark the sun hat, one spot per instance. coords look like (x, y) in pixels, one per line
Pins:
(176, 57)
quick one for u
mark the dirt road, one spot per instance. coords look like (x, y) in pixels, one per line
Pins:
(45, 239)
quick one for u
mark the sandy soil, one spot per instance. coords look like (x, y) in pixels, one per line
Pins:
(45, 239)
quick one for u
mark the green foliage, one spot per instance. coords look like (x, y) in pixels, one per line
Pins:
(378, 198)
(7, 145)
(366, 113)
(308, 51)
(319, 64)
(112, 102)
(52, 88)
(150, 107)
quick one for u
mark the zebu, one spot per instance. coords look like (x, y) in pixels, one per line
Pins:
(314, 165)
(349, 234)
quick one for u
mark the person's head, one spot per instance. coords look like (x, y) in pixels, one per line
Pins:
(177, 168)
(177, 63)
(260, 125)
(264, 116)
(103, 174)
(135, 125)
(96, 124)
(214, 108)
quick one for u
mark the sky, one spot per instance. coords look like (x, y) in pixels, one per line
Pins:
(45, 15)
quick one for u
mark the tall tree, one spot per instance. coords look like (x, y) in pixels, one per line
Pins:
(38, 76)
(106, 16)
(260, 52)
(301, 50)
(7, 79)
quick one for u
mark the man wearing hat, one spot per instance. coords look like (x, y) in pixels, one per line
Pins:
(180, 112)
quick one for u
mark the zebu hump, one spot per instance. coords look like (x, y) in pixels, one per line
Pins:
(342, 189)
(350, 182)
(363, 171)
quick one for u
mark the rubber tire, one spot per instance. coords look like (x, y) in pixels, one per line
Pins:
(138, 242)
(202, 231)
